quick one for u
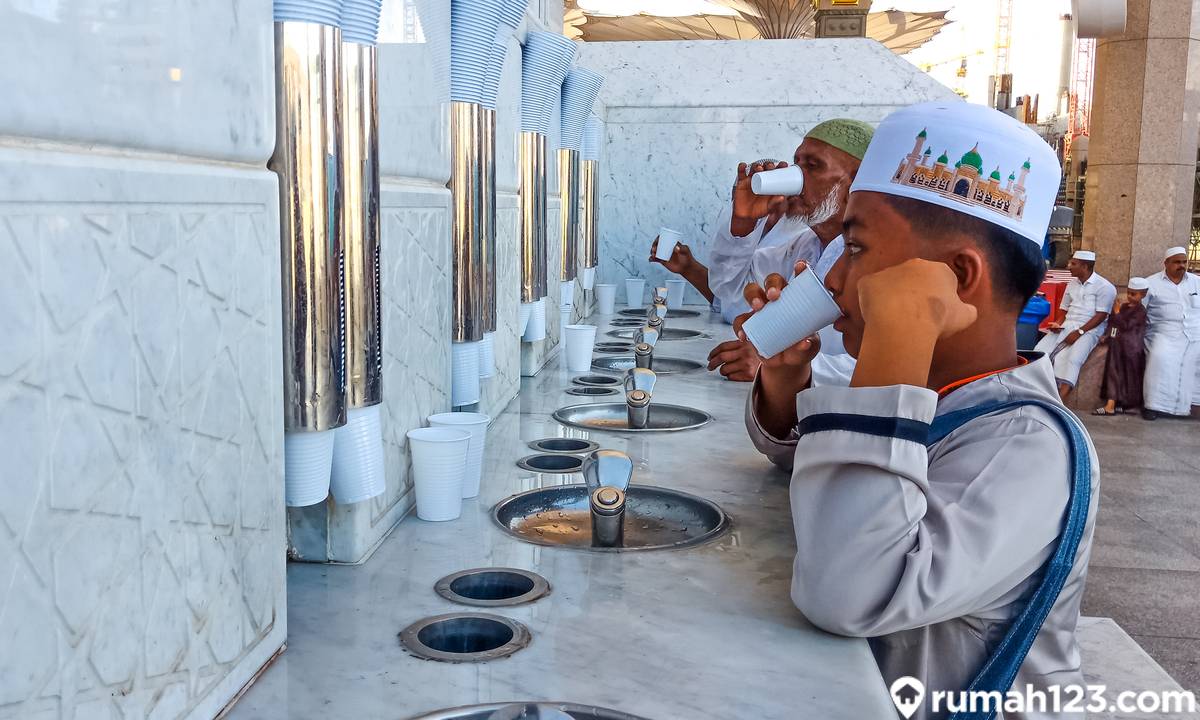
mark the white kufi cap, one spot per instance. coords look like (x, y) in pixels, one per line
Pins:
(968, 158)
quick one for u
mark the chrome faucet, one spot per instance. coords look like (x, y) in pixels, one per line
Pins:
(646, 338)
(606, 474)
(657, 311)
(639, 388)
(659, 296)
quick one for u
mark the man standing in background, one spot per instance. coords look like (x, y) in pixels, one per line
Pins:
(1173, 339)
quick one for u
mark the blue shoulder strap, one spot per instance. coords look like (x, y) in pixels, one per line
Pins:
(1000, 670)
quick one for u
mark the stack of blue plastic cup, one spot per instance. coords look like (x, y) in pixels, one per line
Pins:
(547, 58)
(512, 13)
(593, 138)
(325, 12)
(360, 21)
(473, 27)
(579, 91)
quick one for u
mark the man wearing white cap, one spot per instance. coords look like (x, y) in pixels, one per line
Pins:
(943, 503)
(1082, 320)
(1172, 339)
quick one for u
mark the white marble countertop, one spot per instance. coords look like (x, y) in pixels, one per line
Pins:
(704, 632)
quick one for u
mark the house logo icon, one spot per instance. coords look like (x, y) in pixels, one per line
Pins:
(907, 693)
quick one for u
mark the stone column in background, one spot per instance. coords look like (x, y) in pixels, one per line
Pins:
(841, 18)
(1144, 126)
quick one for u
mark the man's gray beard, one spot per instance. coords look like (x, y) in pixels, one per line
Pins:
(826, 210)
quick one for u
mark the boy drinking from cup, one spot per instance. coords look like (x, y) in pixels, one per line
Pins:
(943, 503)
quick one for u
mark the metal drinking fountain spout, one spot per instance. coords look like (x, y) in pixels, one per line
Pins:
(643, 351)
(606, 474)
(658, 296)
(657, 311)
(639, 388)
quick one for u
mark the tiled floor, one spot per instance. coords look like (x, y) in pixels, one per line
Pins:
(1145, 569)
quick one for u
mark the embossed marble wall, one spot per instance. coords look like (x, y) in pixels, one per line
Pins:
(142, 535)
(680, 116)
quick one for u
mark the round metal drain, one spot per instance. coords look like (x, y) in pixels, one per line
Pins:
(574, 446)
(592, 391)
(612, 351)
(493, 587)
(552, 463)
(464, 637)
(627, 322)
(597, 380)
(614, 346)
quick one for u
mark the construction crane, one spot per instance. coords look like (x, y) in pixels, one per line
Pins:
(1001, 78)
(1079, 100)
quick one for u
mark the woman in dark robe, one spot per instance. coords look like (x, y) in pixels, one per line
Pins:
(1126, 362)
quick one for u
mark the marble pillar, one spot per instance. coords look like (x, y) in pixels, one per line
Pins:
(1142, 150)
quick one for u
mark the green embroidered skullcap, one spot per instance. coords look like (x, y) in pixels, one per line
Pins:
(850, 136)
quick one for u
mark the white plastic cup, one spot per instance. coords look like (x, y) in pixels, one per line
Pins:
(606, 299)
(564, 319)
(487, 355)
(635, 288)
(439, 463)
(464, 373)
(587, 278)
(675, 294)
(803, 308)
(566, 293)
(784, 181)
(307, 462)
(580, 340)
(477, 425)
(667, 239)
(536, 329)
(358, 457)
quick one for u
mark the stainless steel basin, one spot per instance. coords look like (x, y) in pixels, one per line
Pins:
(627, 322)
(656, 518)
(671, 333)
(615, 417)
(485, 712)
(641, 313)
(661, 365)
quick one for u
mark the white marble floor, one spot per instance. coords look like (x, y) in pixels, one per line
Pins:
(704, 632)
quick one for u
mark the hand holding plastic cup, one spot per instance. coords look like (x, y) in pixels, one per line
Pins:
(667, 240)
(803, 308)
(784, 181)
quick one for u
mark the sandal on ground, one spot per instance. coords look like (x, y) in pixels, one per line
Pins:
(1103, 411)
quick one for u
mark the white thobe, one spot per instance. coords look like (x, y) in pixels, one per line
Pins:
(1081, 301)
(932, 552)
(1172, 344)
(735, 262)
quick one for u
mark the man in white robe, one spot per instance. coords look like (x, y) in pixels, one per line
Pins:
(1081, 322)
(1172, 385)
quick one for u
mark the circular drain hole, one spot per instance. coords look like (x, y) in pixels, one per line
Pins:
(614, 346)
(592, 391)
(559, 463)
(564, 445)
(464, 637)
(597, 380)
(492, 587)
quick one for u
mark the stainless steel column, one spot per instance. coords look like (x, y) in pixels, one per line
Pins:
(308, 160)
(589, 196)
(360, 225)
(466, 191)
(487, 225)
(568, 187)
(532, 169)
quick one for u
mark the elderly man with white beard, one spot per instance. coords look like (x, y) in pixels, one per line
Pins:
(1172, 381)
(829, 157)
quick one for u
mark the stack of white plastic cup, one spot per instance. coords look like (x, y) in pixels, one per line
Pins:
(803, 308)
(580, 340)
(635, 288)
(307, 462)
(358, 457)
(535, 329)
(439, 464)
(523, 319)
(587, 278)
(487, 355)
(606, 299)
(477, 425)
(675, 293)
(464, 373)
